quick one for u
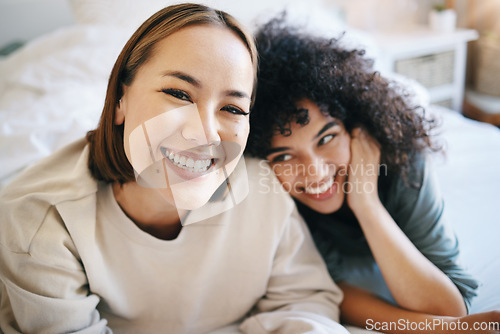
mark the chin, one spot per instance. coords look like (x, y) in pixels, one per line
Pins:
(192, 195)
(324, 207)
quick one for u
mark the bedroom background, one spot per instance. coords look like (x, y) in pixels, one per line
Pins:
(56, 55)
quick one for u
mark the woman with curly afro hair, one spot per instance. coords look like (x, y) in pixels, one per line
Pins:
(351, 148)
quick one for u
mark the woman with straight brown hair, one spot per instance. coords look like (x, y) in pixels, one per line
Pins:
(149, 225)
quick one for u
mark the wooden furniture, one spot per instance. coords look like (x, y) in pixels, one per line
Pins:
(484, 108)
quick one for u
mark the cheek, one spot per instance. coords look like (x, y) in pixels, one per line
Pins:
(236, 132)
(126, 142)
(285, 177)
(157, 128)
(345, 153)
(241, 133)
(347, 148)
(342, 153)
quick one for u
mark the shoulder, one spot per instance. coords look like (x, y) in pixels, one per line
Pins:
(263, 182)
(419, 167)
(419, 199)
(265, 197)
(29, 200)
(420, 176)
(400, 195)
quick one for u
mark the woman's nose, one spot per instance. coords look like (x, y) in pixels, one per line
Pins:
(315, 168)
(201, 127)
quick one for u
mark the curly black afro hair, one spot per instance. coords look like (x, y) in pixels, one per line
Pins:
(342, 82)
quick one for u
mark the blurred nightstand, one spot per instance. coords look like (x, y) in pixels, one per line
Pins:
(435, 59)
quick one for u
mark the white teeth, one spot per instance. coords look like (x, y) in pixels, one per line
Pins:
(188, 163)
(321, 189)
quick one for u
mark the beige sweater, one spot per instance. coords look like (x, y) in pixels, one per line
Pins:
(71, 261)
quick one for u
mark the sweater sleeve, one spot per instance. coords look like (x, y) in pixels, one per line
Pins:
(421, 215)
(45, 289)
(301, 297)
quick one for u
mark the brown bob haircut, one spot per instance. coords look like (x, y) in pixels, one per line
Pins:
(107, 160)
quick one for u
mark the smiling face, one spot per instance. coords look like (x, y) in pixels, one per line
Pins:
(312, 162)
(185, 114)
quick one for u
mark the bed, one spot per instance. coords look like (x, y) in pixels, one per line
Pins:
(52, 92)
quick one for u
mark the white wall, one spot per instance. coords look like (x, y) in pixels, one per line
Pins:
(26, 19)
(22, 20)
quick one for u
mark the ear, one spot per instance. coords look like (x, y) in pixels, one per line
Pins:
(121, 107)
(119, 113)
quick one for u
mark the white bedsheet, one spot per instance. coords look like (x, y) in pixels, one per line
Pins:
(470, 182)
(52, 92)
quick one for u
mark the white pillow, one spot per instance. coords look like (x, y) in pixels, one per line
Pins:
(419, 94)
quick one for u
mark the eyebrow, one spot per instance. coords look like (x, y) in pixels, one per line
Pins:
(189, 79)
(326, 127)
(183, 76)
(323, 130)
(237, 93)
(276, 150)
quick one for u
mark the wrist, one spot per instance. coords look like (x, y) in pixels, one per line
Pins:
(364, 202)
(368, 210)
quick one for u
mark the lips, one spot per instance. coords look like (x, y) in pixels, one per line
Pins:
(321, 188)
(323, 191)
(194, 164)
(188, 162)
(185, 165)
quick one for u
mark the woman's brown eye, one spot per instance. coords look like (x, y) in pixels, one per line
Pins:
(235, 110)
(281, 158)
(177, 93)
(325, 139)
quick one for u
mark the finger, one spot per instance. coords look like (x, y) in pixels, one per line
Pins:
(368, 138)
